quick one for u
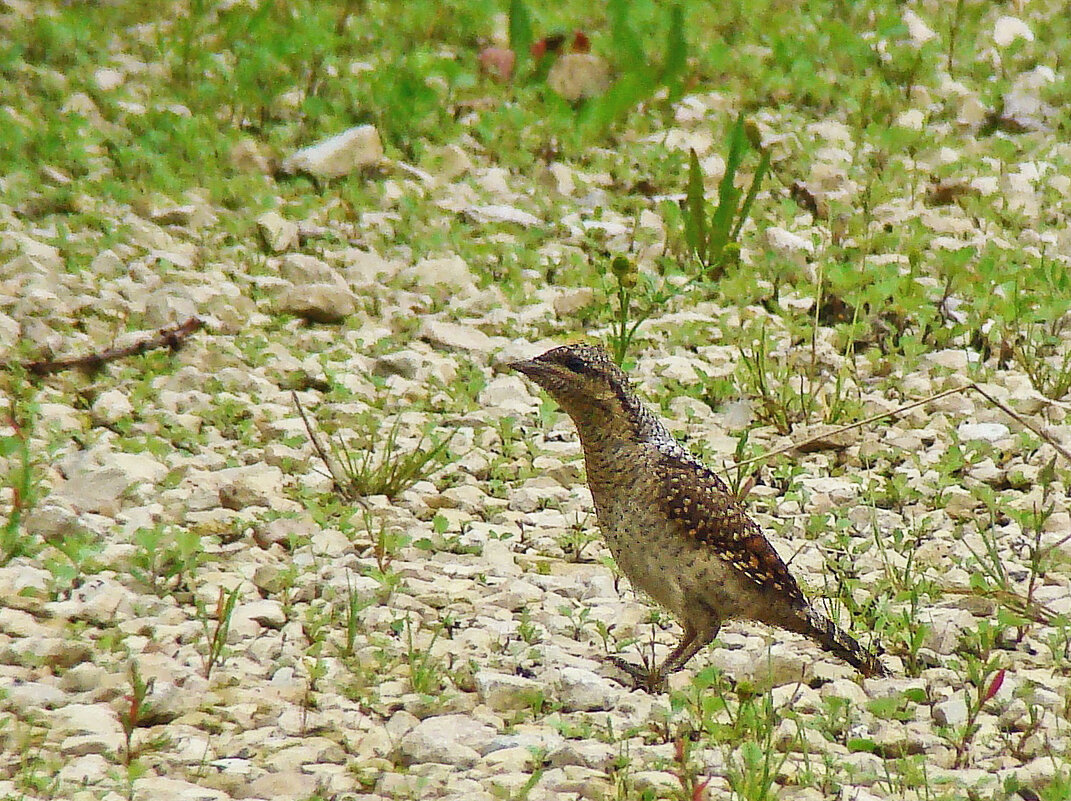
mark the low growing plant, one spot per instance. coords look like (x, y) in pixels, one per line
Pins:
(710, 231)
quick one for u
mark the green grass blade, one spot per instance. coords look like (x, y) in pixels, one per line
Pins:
(627, 48)
(752, 193)
(520, 29)
(695, 208)
(676, 57)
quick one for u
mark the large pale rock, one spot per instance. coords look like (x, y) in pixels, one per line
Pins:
(451, 272)
(504, 691)
(284, 785)
(456, 337)
(952, 712)
(99, 600)
(987, 432)
(88, 729)
(300, 268)
(111, 406)
(24, 696)
(278, 233)
(1007, 29)
(447, 739)
(95, 490)
(328, 304)
(582, 690)
(340, 155)
(254, 485)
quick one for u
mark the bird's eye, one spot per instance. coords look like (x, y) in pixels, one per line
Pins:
(575, 363)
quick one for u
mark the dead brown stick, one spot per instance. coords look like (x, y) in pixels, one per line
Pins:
(1022, 420)
(173, 337)
(321, 451)
(872, 419)
(907, 407)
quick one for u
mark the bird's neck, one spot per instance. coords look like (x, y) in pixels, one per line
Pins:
(610, 438)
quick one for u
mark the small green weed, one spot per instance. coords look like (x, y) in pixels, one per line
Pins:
(370, 464)
(711, 233)
(23, 476)
(166, 557)
(215, 633)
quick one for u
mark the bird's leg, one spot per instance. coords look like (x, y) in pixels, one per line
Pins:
(693, 642)
(654, 680)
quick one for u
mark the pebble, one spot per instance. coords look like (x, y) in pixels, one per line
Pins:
(456, 337)
(353, 149)
(447, 739)
(986, 432)
(501, 691)
(278, 233)
(329, 304)
(581, 690)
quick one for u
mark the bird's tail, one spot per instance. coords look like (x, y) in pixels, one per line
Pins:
(837, 641)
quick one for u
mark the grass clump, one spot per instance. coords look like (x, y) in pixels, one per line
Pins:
(369, 463)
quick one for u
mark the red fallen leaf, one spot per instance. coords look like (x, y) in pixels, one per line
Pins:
(548, 44)
(498, 63)
(581, 43)
(994, 686)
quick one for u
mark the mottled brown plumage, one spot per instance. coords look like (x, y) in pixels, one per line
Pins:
(671, 524)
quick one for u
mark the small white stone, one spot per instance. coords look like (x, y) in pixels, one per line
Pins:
(329, 304)
(34, 695)
(340, 155)
(504, 691)
(500, 213)
(86, 770)
(111, 407)
(952, 712)
(585, 753)
(946, 626)
(446, 739)
(405, 363)
(987, 432)
(278, 233)
(301, 268)
(39, 256)
(451, 271)
(108, 79)
(255, 485)
(100, 600)
(581, 690)
(912, 119)
(571, 301)
(1007, 29)
(500, 557)
(248, 156)
(266, 612)
(918, 30)
(787, 243)
(657, 782)
(456, 337)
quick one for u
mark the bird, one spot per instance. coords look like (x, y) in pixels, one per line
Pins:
(671, 524)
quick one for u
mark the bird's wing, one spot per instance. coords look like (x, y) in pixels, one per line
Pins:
(698, 501)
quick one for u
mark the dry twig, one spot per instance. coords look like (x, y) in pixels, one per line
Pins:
(173, 337)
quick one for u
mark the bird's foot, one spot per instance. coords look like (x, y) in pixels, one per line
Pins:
(648, 679)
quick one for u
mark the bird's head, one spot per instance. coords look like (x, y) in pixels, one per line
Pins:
(584, 380)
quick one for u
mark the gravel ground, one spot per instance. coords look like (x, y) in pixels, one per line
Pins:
(447, 642)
